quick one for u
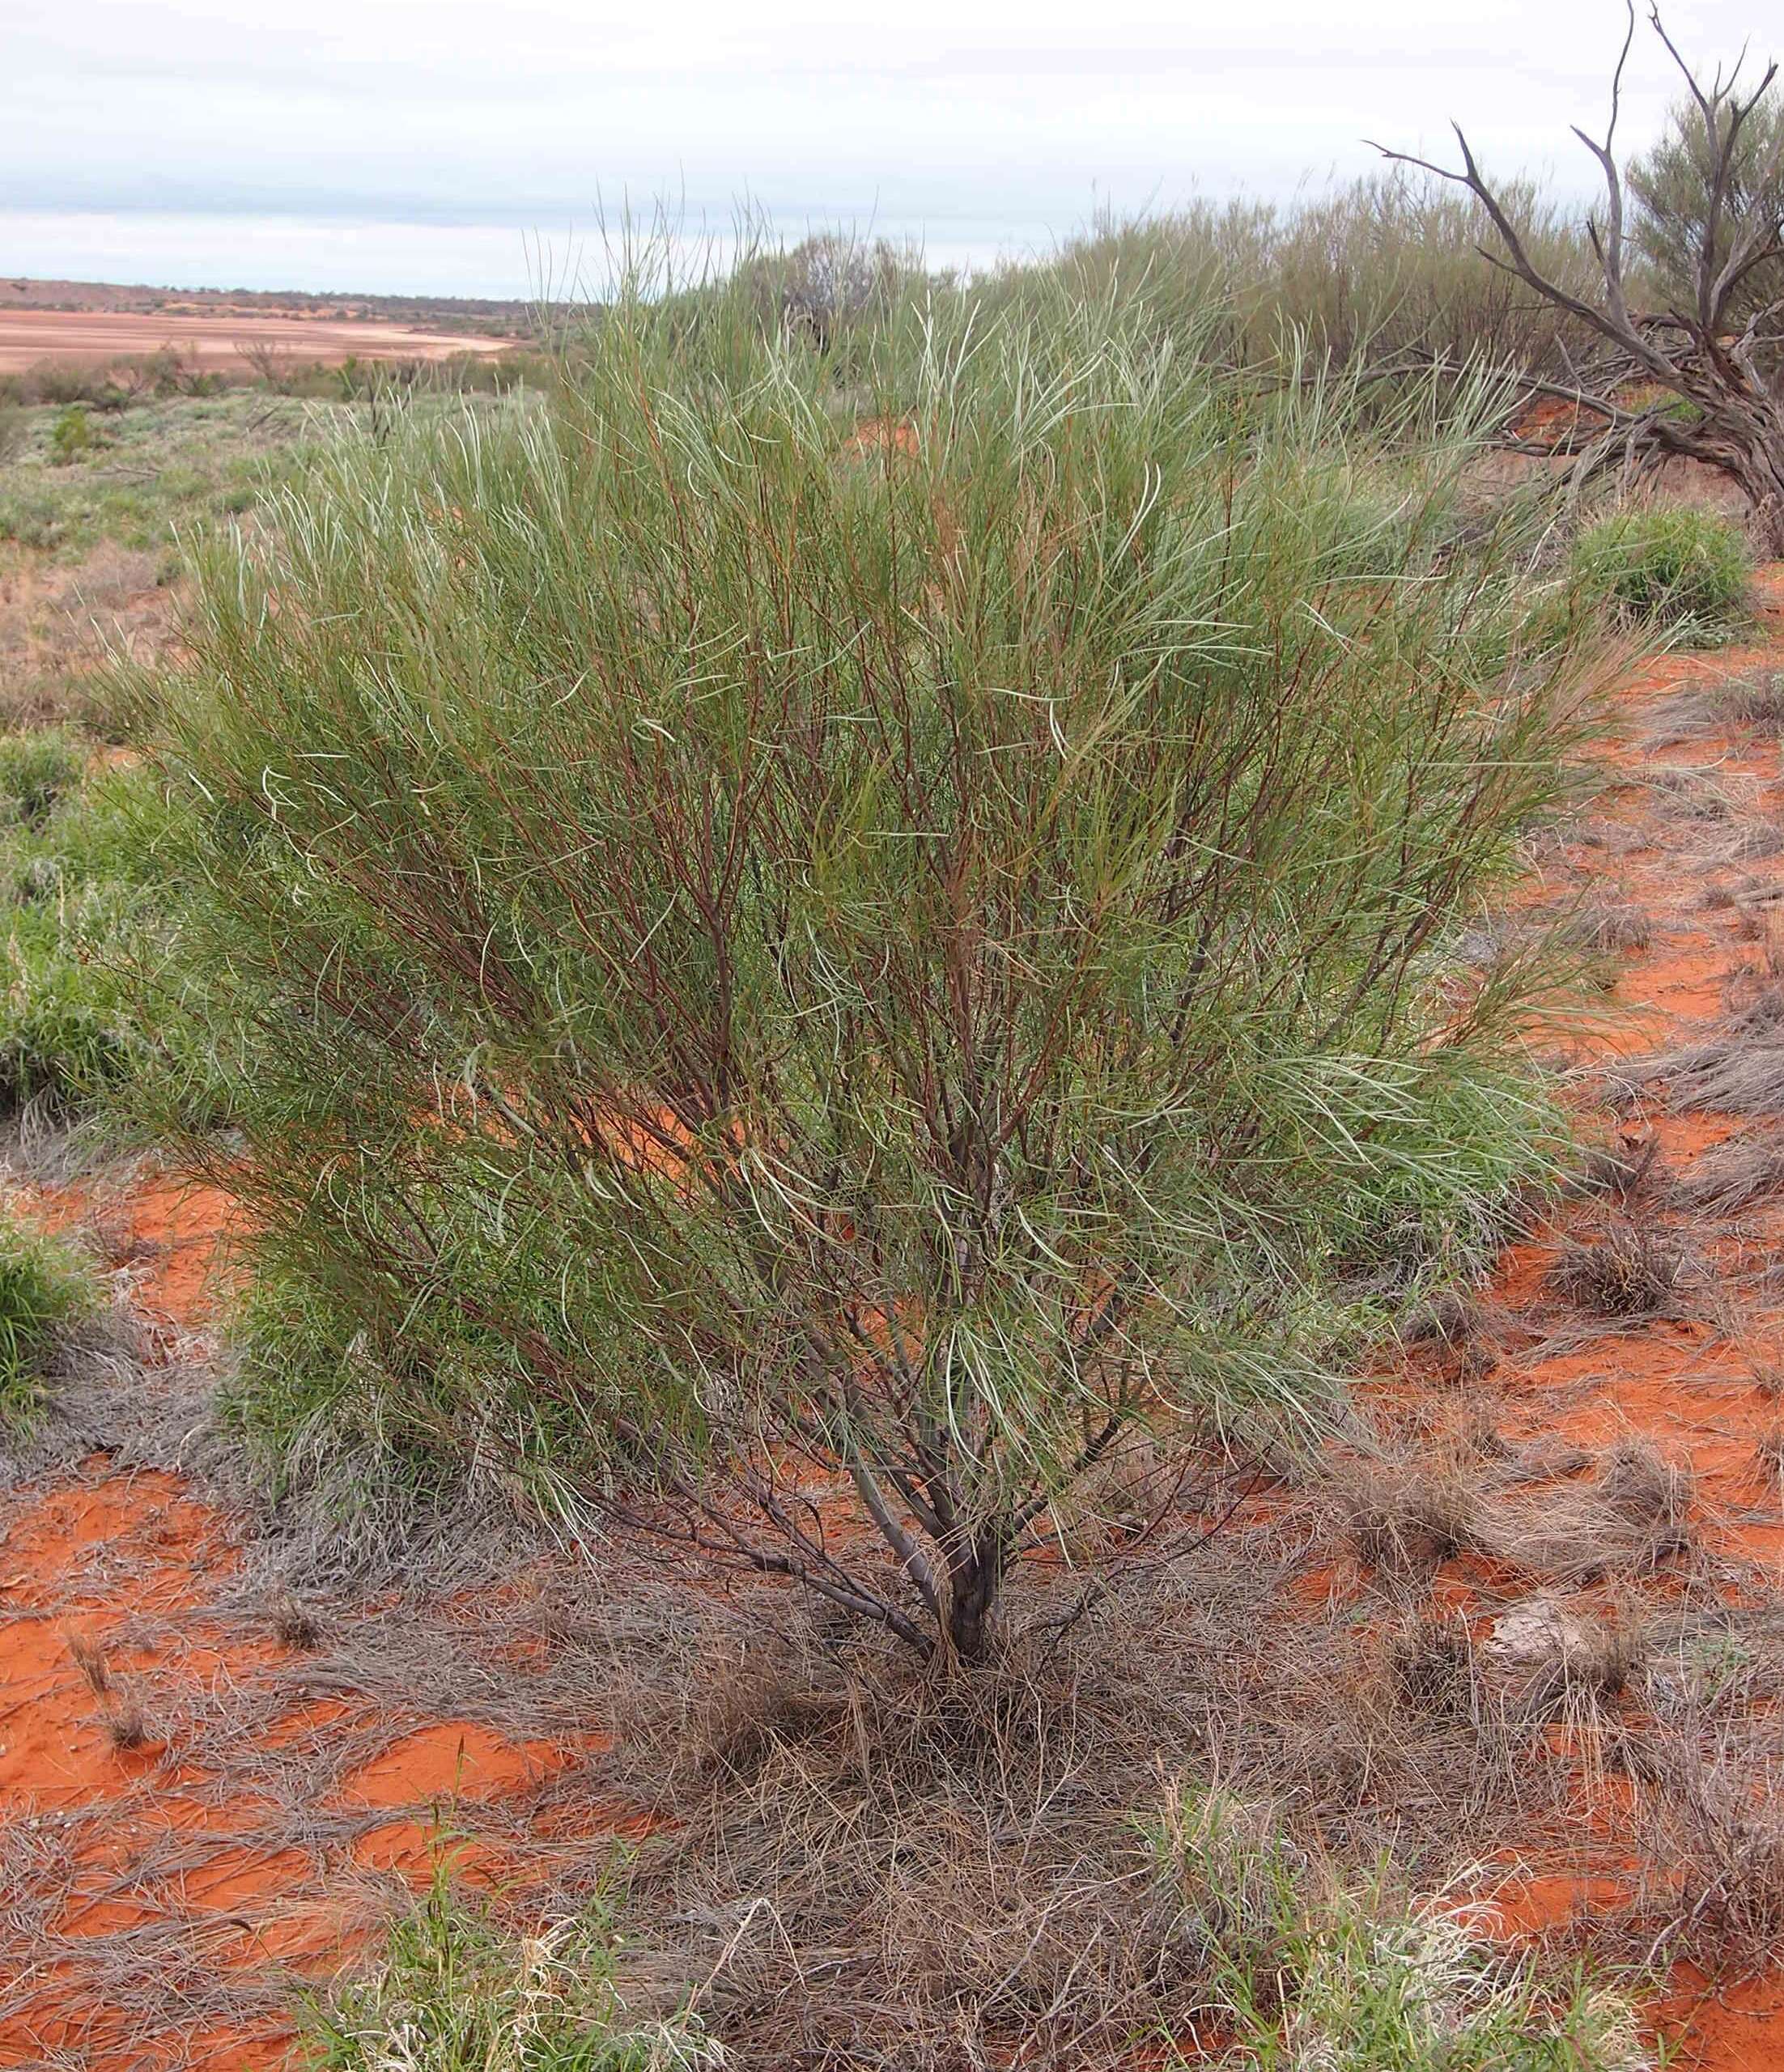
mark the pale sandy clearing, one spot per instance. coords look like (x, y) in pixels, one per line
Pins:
(89, 337)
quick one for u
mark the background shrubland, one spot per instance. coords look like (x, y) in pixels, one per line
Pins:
(1383, 276)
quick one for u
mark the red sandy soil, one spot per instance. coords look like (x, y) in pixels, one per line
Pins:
(87, 1560)
(1700, 1387)
(92, 1559)
(170, 1234)
(91, 338)
(86, 1554)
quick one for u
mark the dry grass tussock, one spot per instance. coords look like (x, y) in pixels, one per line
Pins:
(866, 1864)
(1738, 1071)
(1731, 1176)
(1709, 1766)
(1625, 1171)
(1633, 1270)
(121, 1711)
(1607, 926)
(1749, 700)
(1544, 1518)
(1699, 792)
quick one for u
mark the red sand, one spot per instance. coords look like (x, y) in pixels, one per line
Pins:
(1678, 1383)
(87, 1545)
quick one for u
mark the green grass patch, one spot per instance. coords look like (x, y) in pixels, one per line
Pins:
(43, 1286)
(85, 902)
(1684, 572)
(73, 480)
(457, 1992)
(37, 770)
(1308, 1970)
(136, 477)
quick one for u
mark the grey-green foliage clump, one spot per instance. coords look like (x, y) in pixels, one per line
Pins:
(43, 1287)
(1674, 182)
(177, 462)
(1687, 572)
(1308, 1971)
(458, 1993)
(37, 770)
(752, 939)
(84, 902)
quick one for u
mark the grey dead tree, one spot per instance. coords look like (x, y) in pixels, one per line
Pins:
(832, 281)
(1628, 394)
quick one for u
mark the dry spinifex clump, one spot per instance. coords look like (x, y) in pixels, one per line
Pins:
(1633, 1270)
(122, 1712)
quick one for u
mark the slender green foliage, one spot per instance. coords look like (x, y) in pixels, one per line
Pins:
(1687, 572)
(1674, 183)
(35, 769)
(1383, 273)
(458, 1993)
(761, 939)
(1310, 1971)
(41, 1287)
(87, 903)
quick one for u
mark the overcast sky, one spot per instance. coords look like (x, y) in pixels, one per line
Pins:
(415, 144)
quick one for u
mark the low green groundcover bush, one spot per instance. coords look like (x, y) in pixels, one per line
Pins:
(42, 1287)
(742, 951)
(458, 1993)
(85, 904)
(1686, 571)
(36, 770)
(1307, 1970)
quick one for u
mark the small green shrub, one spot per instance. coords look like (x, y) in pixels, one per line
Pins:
(940, 883)
(41, 1287)
(31, 519)
(1671, 184)
(36, 769)
(72, 435)
(85, 900)
(457, 1992)
(1687, 571)
(62, 384)
(1307, 1971)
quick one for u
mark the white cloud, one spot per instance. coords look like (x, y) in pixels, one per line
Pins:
(977, 123)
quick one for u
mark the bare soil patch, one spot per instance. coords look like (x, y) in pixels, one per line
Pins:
(90, 337)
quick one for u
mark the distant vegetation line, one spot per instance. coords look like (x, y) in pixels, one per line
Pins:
(480, 315)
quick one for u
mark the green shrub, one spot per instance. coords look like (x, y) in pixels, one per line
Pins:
(1685, 570)
(1672, 185)
(36, 769)
(42, 1286)
(72, 435)
(87, 902)
(457, 1992)
(729, 943)
(63, 383)
(1308, 1971)
(1386, 269)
